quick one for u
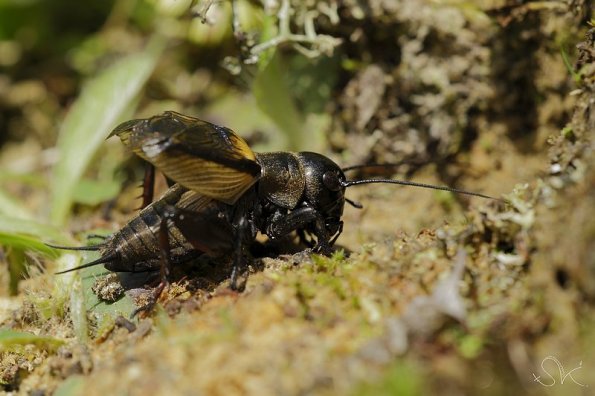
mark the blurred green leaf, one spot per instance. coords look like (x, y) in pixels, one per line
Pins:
(107, 178)
(270, 29)
(102, 103)
(76, 287)
(31, 179)
(94, 192)
(9, 206)
(124, 306)
(241, 114)
(16, 226)
(24, 242)
(274, 97)
(72, 386)
(20, 235)
(17, 267)
(312, 81)
(470, 346)
(86, 297)
(28, 235)
(10, 340)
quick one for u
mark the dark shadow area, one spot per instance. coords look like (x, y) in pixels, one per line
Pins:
(515, 64)
(207, 273)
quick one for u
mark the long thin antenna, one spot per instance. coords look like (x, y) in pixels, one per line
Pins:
(350, 183)
(100, 260)
(384, 165)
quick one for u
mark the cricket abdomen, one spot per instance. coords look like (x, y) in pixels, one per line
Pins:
(135, 247)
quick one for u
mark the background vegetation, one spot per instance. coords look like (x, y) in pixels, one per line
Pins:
(427, 292)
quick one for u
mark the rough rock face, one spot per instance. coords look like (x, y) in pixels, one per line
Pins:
(429, 295)
(435, 77)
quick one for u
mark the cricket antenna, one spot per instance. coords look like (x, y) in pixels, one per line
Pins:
(382, 165)
(349, 183)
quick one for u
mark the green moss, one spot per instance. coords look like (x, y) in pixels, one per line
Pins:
(568, 133)
(470, 346)
(402, 378)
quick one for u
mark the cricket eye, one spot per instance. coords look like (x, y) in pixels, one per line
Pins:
(331, 181)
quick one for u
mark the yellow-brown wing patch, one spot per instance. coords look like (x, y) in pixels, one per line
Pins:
(193, 201)
(201, 156)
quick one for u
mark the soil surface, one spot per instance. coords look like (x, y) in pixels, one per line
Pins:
(426, 292)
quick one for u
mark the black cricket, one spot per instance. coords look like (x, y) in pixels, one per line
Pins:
(222, 195)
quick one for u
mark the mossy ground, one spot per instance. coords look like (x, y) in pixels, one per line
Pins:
(427, 293)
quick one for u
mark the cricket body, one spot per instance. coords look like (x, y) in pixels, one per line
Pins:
(198, 224)
(224, 194)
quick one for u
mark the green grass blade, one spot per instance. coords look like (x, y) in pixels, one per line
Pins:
(82, 299)
(575, 76)
(11, 340)
(68, 289)
(16, 268)
(31, 228)
(102, 103)
(25, 242)
(29, 235)
(18, 236)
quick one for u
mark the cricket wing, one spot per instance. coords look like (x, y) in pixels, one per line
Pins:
(199, 219)
(201, 156)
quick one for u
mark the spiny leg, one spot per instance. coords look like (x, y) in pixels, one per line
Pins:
(213, 234)
(148, 185)
(164, 269)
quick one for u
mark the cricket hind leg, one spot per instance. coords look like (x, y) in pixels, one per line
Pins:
(205, 230)
(213, 234)
(149, 272)
(148, 185)
(164, 269)
(208, 232)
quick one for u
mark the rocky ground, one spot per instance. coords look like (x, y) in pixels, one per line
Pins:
(427, 292)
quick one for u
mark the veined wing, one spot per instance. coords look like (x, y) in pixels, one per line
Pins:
(201, 156)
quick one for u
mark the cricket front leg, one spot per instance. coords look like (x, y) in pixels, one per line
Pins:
(298, 220)
(239, 264)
